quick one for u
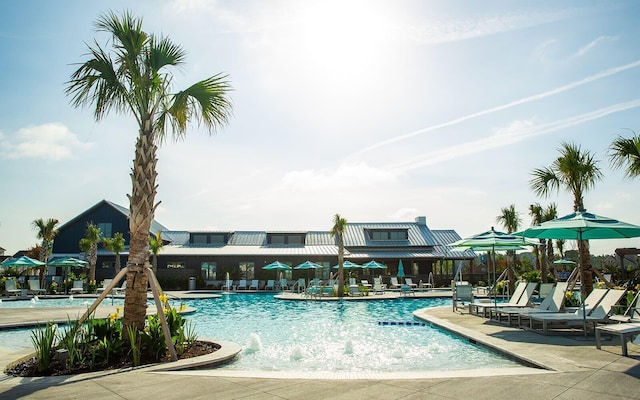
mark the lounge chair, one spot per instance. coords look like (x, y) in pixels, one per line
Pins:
(78, 287)
(552, 303)
(11, 288)
(302, 285)
(378, 286)
(34, 287)
(521, 297)
(407, 290)
(624, 331)
(122, 289)
(631, 313)
(271, 285)
(228, 285)
(254, 284)
(354, 290)
(242, 284)
(544, 290)
(393, 284)
(284, 284)
(409, 282)
(105, 285)
(365, 283)
(597, 309)
(462, 294)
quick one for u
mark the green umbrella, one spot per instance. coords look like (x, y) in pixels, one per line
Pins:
(374, 265)
(22, 261)
(65, 263)
(276, 266)
(349, 265)
(400, 270)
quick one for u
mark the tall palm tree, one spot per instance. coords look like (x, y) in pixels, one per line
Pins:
(132, 78)
(549, 213)
(155, 245)
(90, 245)
(337, 231)
(625, 153)
(46, 232)
(116, 246)
(535, 211)
(510, 219)
(575, 171)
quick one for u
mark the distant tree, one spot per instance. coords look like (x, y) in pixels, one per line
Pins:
(155, 245)
(625, 153)
(535, 211)
(337, 231)
(89, 244)
(575, 171)
(510, 219)
(46, 232)
(116, 246)
(133, 78)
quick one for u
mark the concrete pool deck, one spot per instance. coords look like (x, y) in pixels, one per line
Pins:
(576, 370)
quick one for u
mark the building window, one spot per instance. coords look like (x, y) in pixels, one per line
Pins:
(295, 239)
(290, 239)
(396, 234)
(176, 265)
(199, 238)
(208, 271)
(246, 270)
(105, 229)
(218, 239)
(277, 239)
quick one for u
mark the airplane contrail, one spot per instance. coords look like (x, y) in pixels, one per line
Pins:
(564, 88)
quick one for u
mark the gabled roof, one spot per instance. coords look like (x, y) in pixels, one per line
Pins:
(417, 235)
(155, 226)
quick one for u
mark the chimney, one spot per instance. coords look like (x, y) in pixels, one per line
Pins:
(421, 221)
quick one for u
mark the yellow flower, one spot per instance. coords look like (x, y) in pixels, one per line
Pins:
(119, 310)
(163, 298)
(568, 294)
(638, 286)
(601, 285)
(113, 317)
(182, 307)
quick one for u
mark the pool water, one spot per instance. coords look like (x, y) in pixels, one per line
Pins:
(70, 301)
(352, 336)
(349, 336)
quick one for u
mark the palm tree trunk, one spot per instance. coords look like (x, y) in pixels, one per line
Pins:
(586, 271)
(142, 209)
(549, 259)
(93, 262)
(117, 263)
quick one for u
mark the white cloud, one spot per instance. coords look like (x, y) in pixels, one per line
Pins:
(53, 141)
(343, 177)
(602, 39)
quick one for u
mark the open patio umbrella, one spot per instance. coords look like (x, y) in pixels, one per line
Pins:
(66, 263)
(564, 262)
(308, 265)
(277, 266)
(581, 226)
(22, 261)
(349, 265)
(373, 264)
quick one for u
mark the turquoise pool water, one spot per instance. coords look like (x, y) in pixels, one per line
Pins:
(58, 302)
(352, 336)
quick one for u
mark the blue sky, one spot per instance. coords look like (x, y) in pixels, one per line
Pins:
(377, 110)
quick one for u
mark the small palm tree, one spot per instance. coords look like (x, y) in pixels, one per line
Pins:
(133, 78)
(549, 213)
(46, 232)
(89, 244)
(510, 219)
(625, 153)
(535, 211)
(337, 231)
(575, 171)
(116, 246)
(155, 245)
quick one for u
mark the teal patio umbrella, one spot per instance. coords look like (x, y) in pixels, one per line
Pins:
(373, 264)
(400, 269)
(65, 263)
(276, 266)
(22, 261)
(349, 265)
(308, 265)
(582, 225)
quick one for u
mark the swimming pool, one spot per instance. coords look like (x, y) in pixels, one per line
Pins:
(313, 336)
(58, 302)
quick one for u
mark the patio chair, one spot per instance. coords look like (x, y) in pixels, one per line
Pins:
(631, 313)
(475, 308)
(544, 290)
(34, 287)
(409, 282)
(10, 286)
(624, 331)
(597, 310)
(462, 294)
(365, 283)
(78, 287)
(122, 289)
(394, 283)
(242, 284)
(407, 290)
(378, 286)
(284, 285)
(354, 290)
(254, 284)
(302, 285)
(526, 299)
(271, 285)
(105, 285)
(552, 303)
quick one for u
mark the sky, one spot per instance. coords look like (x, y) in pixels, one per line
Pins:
(380, 111)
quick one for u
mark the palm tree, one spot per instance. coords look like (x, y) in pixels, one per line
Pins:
(155, 245)
(548, 214)
(535, 211)
(46, 232)
(510, 219)
(116, 246)
(133, 78)
(89, 244)
(339, 226)
(625, 153)
(575, 171)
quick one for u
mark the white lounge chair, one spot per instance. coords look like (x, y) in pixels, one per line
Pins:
(78, 287)
(10, 286)
(284, 285)
(302, 285)
(354, 290)
(271, 285)
(597, 310)
(254, 284)
(105, 285)
(242, 284)
(34, 287)
(378, 286)
(393, 284)
(409, 282)
(552, 303)
(624, 331)
(365, 283)
(475, 308)
(462, 294)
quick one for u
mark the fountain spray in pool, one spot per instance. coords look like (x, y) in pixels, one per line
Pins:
(296, 353)
(348, 347)
(254, 343)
